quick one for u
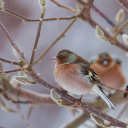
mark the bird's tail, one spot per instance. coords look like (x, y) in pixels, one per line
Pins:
(99, 91)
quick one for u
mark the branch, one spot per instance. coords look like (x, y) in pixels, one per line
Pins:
(123, 3)
(37, 98)
(10, 71)
(63, 6)
(61, 18)
(9, 61)
(33, 97)
(71, 99)
(11, 40)
(125, 106)
(37, 36)
(102, 15)
(93, 24)
(22, 116)
(61, 35)
(84, 16)
(80, 119)
(32, 20)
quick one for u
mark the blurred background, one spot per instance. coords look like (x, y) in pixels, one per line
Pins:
(80, 38)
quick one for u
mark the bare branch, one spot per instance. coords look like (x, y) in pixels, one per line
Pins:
(22, 116)
(10, 71)
(80, 119)
(125, 105)
(32, 96)
(36, 20)
(61, 35)
(123, 3)
(30, 111)
(19, 16)
(101, 14)
(37, 38)
(63, 6)
(9, 61)
(61, 18)
(11, 40)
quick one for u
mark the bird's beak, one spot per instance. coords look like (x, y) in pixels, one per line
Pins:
(54, 58)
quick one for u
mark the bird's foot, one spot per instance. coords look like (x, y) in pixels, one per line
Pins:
(78, 100)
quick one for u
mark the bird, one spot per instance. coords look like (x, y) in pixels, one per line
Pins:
(74, 74)
(109, 69)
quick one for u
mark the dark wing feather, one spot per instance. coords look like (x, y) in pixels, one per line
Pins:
(86, 70)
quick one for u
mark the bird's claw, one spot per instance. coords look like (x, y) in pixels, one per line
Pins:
(78, 100)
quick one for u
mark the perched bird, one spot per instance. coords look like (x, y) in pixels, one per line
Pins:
(109, 70)
(75, 75)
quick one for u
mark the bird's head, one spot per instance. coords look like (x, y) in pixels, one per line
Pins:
(65, 57)
(105, 60)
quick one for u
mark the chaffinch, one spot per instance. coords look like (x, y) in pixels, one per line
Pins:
(74, 74)
(109, 70)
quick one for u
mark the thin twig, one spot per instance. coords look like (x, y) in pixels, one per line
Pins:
(121, 28)
(122, 110)
(36, 20)
(63, 6)
(32, 106)
(102, 15)
(34, 97)
(9, 61)
(37, 38)
(123, 3)
(61, 18)
(22, 116)
(79, 120)
(108, 20)
(11, 40)
(10, 71)
(61, 35)
(16, 102)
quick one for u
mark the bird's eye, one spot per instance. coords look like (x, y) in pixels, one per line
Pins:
(60, 58)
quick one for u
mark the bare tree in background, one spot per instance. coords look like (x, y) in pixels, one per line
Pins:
(10, 90)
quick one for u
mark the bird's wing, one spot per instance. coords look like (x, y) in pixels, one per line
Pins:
(87, 71)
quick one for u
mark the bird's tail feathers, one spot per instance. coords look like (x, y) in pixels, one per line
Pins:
(99, 91)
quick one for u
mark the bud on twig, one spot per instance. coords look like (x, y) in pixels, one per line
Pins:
(13, 82)
(1, 3)
(125, 38)
(100, 34)
(98, 120)
(42, 2)
(54, 96)
(120, 16)
(78, 8)
(23, 80)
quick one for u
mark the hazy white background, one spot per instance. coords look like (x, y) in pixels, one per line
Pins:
(80, 39)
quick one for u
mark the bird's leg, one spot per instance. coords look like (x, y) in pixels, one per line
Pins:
(81, 98)
(78, 100)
